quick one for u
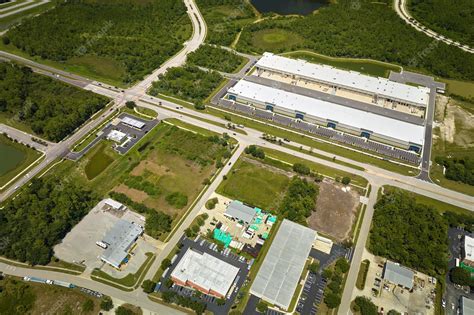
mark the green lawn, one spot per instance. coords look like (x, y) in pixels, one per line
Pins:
(461, 88)
(274, 39)
(245, 177)
(15, 158)
(366, 66)
(131, 279)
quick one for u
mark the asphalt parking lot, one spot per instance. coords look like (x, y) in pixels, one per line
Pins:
(453, 293)
(207, 247)
(134, 135)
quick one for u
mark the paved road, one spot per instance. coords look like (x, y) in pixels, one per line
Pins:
(401, 9)
(26, 138)
(22, 7)
(346, 299)
(405, 77)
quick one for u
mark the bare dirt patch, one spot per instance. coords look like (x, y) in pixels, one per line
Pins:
(335, 211)
(150, 166)
(134, 194)
(455, 124)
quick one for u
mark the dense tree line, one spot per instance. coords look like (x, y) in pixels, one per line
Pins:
(156, 222)
(215, 58)
(299, 201)
(140, 35)
(39, 217)
(454, 19)
(458, 169)
(410, 233)
(189, 83)
(51, 108)
(225, 19)
(333, 291)
(365, 306)
(372, 31)
(173, 297)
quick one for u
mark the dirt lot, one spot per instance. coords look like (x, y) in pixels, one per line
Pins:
(335, 211)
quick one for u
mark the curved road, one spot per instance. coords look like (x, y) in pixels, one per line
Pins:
(401, 9)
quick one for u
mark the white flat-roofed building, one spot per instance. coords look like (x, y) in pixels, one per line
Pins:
(114, 204)
(468, 251)
(205, 273)
(119, 240)
(133, 122)
(350, 80)
(116, 136)
(358, 122)
(278, 277)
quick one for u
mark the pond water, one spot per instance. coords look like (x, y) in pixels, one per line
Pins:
(283, 7)
(10, 158)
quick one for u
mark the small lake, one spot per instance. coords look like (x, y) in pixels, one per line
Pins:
(11, 158)
(284, 7)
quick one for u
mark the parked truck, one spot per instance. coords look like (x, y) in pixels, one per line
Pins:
(64, 284)
(35, 279)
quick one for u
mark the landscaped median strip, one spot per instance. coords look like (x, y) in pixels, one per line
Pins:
(128, 283)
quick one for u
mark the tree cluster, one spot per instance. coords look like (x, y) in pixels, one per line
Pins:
(453, 19)
(373, 31)
(461, 276)
(225, 19)
(189, 83)
(215, 58)
(255, 151)
(299, 201)
(39, 217)
(156, 223)
(138, 35)
(413, 234)
(51, 108)
(458, 169)
(184, 301)
(365, 306)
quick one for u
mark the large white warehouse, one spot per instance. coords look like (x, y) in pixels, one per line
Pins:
(347, 119)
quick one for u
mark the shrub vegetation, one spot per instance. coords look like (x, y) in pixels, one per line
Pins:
(215, 58)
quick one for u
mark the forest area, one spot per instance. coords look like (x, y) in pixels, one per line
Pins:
(124, 40)
(52, 109)
(372, 31)
(454, 19)
(46, 211)
(215, 58)
(188, 83)
(415, 235)
(225, 19)
(458, 169)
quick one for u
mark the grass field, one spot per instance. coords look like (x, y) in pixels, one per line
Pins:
(274, 39)
(15, 157)
(366, 66)
(19, 297)
(167, 160)
(244, 175)
(461, 88)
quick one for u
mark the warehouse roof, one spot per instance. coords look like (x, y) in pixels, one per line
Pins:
(119, 239)
(280, 272)
(133, 122)
(205, 271)
(467, 306)
(469, 248)
(398, 275)
(238, 210)
(349, 79)
(382, 125)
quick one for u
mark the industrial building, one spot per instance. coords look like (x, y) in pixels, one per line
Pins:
(132, 122)
(119, 239)
(278, 277)
(344, 118)
(116, 136)
(205, 273)
(113, 205)
(377, 90)
(238, 211)
(398, 275)
(466, 306)
(468, 251)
